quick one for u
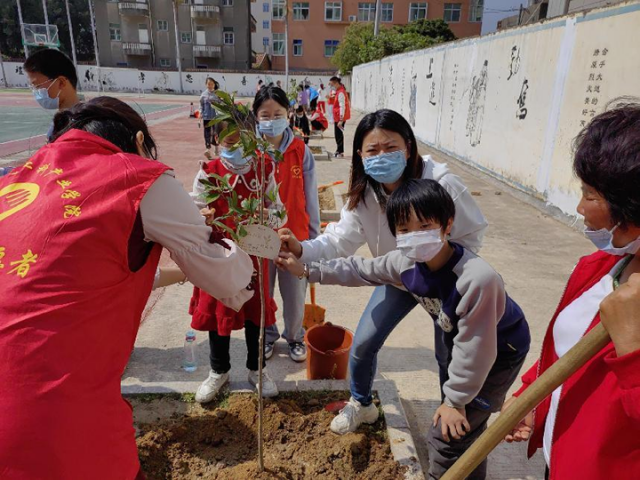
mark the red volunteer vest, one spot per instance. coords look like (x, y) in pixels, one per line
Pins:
(207, 312)
(289, 174)
(70, 310)
(336, 106)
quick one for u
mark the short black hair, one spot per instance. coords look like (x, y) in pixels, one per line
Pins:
(52, 64)
(109, 118)
(607, 158)
(299, 109)
(270, 93)
(427, 198)
(335, 79)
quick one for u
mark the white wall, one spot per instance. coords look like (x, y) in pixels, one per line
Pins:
(469, 107)
(132, 80)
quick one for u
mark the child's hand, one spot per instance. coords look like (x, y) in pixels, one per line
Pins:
(289, 262)
(208, 214)
(522, 431)
(453, 420)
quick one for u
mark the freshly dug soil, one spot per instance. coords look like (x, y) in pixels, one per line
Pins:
(327, 199)
(221, 443)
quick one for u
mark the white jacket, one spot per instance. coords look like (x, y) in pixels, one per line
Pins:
(368, 222)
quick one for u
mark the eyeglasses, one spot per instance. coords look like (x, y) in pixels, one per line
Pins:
(37, 87)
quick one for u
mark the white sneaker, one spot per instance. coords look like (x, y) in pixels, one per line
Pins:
(211, 386)
(352, 415)
(298, 351)
(269, 388)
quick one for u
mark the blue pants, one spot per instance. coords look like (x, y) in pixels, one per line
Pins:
(387, 307)
(293, 291)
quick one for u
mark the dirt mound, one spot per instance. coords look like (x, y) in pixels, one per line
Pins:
(221, 443)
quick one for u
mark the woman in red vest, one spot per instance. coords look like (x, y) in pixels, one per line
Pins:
(82, 225)
(211, 315)
(299, 192)
(341, 113)
(589, 428)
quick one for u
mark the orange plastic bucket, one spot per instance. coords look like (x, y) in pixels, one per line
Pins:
(328, 348)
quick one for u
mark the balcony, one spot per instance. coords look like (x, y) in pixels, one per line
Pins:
(207, 50)
(204, 12)
(134, 9)
(140, 49)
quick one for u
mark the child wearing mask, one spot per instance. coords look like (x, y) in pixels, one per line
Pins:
(300, 122)
(299, 192)
(209, 314)
(207, 113)
(481, 334)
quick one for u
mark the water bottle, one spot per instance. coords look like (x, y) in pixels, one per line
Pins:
(5, 170)
(190, 360)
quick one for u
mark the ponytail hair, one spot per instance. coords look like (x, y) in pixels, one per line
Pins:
(108, 118)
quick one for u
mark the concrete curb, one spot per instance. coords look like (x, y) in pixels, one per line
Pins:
(402, 445)
(334, 215)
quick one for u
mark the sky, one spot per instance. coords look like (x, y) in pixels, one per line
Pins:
(495, 10)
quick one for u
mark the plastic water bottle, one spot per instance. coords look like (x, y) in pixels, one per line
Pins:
(190, 360)
(5, 170)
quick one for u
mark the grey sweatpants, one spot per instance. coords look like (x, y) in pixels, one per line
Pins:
(443, 454)
(293, 291)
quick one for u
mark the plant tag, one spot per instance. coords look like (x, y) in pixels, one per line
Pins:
(260, 241)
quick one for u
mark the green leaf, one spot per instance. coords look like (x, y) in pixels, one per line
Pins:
(222, 226)
(230, 130)
(242, 232)
(212, 197)
(225, 97)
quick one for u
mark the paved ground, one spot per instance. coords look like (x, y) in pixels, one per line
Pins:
(534, 253)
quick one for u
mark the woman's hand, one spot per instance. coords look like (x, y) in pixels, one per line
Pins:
(522, 431)
(453, 420)
(620, 315)
(289, 242)
(288, 262)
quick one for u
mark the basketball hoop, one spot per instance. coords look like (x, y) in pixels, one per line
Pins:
(39, 35)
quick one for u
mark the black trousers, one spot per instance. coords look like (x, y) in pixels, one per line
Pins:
(339, 133)
(209, 137)
(316, 125)
(219, 346)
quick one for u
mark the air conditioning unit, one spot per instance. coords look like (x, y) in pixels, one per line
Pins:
(352, 18)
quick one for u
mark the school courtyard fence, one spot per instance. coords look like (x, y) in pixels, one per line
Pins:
(511, 103)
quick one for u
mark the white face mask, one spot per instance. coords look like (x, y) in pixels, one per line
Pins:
(603, 240)
(420, 246)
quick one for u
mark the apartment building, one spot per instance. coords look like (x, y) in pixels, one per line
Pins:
(316, 27)
(212, 34)
(261, 38)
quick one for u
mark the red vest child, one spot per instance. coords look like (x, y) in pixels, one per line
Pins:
(322, 119)
(70, 309)
(289, 174)
(207, 312)
(336, 105)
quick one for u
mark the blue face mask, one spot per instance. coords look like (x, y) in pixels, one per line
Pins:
(273, 128)
(234, 157)
(386, 167)
(603, 240)
(42, 97)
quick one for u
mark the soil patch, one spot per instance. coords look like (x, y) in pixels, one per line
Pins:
(327, 200)
(182, 440)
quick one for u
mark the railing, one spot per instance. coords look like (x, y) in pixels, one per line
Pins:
(205, 11)
(133, 8)
(207, 50)
(136, 48)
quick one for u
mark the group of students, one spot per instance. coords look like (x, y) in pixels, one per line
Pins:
(424, 230)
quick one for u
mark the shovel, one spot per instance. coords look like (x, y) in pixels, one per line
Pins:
(313, 314)
(556, 375)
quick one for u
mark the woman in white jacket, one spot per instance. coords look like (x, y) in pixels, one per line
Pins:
(385, 154)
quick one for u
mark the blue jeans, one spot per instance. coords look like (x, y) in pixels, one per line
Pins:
(293, 291)
(387, 307)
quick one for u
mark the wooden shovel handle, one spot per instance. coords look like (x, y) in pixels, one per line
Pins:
(556, 375)
(312, 291)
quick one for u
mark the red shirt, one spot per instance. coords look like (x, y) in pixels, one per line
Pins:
(597, 426)
(70, 310)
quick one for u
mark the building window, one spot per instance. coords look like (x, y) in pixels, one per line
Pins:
(228, 36)
(301, 11)
(297, 48)
(330, 47)
(417, 11)
(227, 3)
(165, 62)
(366, 12)
(114, 32)
(185, 37)
(332, 11)
(475, 11)
(279, 9)
(265, 24)
(265, 7)
(452, 12)
(386, 13)
(265, 41)
(278, 44)
(163, 26)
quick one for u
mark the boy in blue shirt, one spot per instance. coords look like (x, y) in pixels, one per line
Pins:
(481, 335)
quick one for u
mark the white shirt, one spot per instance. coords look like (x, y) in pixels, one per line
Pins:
(570, 327)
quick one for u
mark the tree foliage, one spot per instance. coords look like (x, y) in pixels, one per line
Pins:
(11, 41)
(359, 45)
